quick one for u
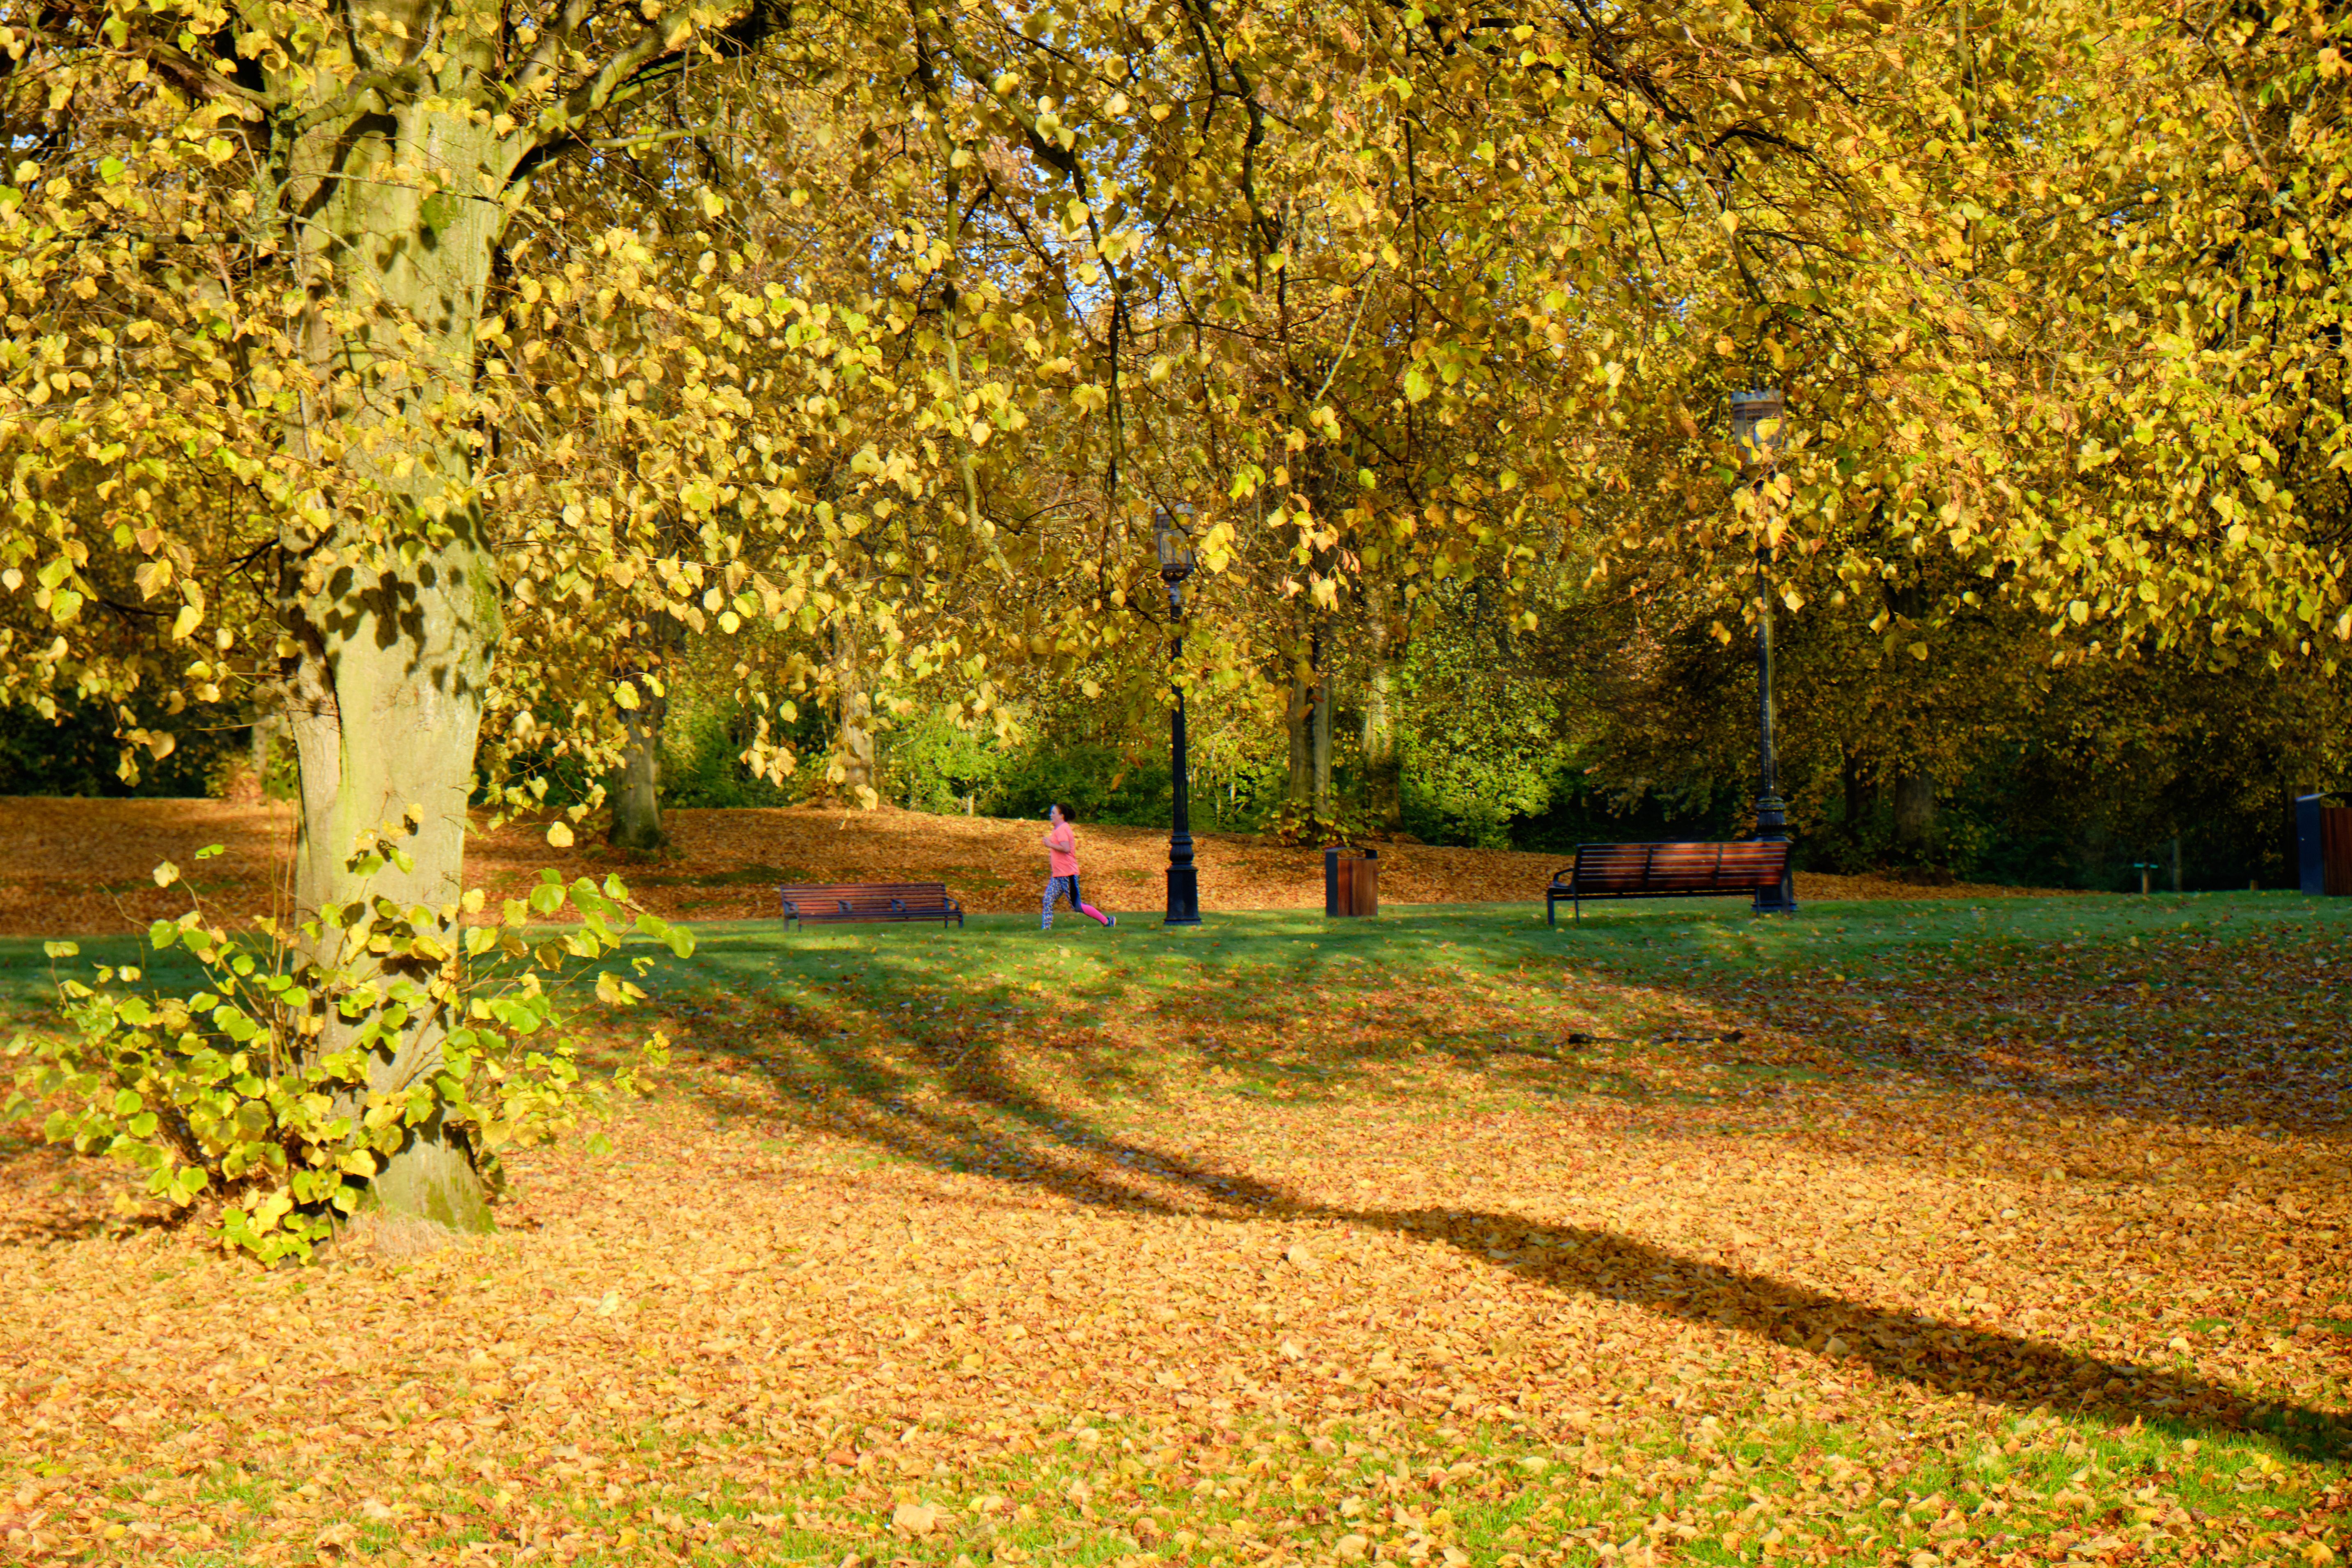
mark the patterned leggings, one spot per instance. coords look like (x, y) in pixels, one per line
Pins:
(1061, 887)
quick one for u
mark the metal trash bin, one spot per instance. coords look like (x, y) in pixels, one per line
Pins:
(1351, 881)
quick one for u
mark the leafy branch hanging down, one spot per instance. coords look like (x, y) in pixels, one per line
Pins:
(235, 1093)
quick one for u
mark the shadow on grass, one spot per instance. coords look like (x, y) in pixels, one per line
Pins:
(1045, 1148)
(2074, 1032)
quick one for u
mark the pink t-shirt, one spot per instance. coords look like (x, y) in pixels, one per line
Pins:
(1062, 851)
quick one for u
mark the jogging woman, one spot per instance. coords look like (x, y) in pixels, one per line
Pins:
(1062, 865)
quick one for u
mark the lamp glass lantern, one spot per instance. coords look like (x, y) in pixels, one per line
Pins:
(1171, 535)
(1759, 423)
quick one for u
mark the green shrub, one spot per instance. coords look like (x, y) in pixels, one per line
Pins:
(702, 762)
(77, 753)
(1093, 783)
(934, 763)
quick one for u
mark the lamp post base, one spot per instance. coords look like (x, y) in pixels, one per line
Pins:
(1779, 900)
(1773, 826)
(1183, 896)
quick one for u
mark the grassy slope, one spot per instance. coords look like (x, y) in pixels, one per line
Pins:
(2012, 1229)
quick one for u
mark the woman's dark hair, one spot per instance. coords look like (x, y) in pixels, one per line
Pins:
(1064, 810)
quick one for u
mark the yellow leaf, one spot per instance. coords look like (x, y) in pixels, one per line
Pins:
(559, 834)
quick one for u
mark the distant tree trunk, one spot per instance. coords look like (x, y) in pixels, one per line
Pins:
(1914, 809)
(851, 769)
(1322, 716)
(1383, 794)
(636, 799)
(1300, 785)
(1860, 794)
(636, 802)
(269, 719)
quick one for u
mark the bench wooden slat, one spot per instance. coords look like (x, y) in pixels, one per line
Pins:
(1667, 870)
(834, 902)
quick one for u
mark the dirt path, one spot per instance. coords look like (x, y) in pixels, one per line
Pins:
(82, 867)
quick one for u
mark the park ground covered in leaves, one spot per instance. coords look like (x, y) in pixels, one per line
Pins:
(1998, 1232)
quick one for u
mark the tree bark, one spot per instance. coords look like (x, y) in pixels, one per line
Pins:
(1914, 809)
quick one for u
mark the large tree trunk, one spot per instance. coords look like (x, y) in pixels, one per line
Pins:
(1914, 809)
(388, 684)
(391, 647)
(1384, 769)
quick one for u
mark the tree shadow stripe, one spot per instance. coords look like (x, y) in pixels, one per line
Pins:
(1940, 1356)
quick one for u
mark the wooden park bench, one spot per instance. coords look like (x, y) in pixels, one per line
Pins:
(816, 903)
(1665, 871)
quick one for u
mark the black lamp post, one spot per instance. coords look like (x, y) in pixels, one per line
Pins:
(1758, 421)
(1171, 535)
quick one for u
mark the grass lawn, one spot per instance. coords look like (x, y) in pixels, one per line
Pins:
(1896, 1232)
